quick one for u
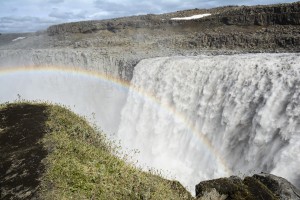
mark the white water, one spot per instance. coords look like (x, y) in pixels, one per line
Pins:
(248, 106)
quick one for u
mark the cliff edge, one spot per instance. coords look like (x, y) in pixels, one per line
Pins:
(115, 46)
(252, 28)
(48, 152)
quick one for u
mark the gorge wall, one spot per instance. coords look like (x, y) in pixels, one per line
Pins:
(196, 118)
(251, 28)
(231, 29)
(115, 46)
(110, 65)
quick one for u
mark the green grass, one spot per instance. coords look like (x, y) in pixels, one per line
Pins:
(82, 165)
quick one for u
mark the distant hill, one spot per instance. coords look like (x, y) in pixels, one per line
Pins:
(115, 46)
(263, 28)
(250, 28)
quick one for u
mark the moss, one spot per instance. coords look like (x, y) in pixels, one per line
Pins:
(76, 160)
(233, 188)
(257, 190)
(82, 165)
(236, 189)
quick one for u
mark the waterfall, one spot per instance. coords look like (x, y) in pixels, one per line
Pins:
(204, 117)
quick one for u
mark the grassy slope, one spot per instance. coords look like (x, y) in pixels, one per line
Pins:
(81, 164)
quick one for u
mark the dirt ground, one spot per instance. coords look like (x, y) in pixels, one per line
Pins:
(21, 154)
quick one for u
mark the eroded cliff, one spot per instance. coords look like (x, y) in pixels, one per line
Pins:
(115, 46)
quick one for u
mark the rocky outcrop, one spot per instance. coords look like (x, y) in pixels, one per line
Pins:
(118, 66)
(269, 28)
(111, 25)
(250, 28)
(259, 186)
(282, 14)
(260, 40)
(115, 46)
(279, 14)
(74, 27)
(279, 186)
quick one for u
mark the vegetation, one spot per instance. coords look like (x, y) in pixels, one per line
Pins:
(236, 189)
(82, 164)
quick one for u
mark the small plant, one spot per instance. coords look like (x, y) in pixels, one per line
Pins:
(83, 164)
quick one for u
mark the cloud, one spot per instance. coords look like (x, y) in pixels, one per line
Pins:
(131, 7)
(37, 14)
(24, 24)
(56, 1)
(56, 13)
(99, 15)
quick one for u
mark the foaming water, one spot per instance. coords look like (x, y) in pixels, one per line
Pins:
(216, 115)
(98, 99)
(196, 118)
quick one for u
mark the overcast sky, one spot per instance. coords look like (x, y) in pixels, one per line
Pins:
(33, 15)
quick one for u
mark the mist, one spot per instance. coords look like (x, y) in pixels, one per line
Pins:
(195, 118)
(100, 101)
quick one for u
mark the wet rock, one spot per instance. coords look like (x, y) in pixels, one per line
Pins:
(279, 186)
(259, 186)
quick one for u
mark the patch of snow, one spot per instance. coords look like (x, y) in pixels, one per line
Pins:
(18, 38)
(191, 17)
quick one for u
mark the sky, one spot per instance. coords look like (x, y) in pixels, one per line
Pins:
(35, 15)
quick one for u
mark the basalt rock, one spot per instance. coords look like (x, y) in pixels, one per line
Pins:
(259, 187)
(252, 28)
(279, 186)
(127, 40)
(282, 14)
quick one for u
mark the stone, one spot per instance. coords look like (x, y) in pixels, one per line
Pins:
(259, 186)
(279, 186)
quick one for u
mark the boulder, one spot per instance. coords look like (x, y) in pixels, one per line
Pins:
(260, 186)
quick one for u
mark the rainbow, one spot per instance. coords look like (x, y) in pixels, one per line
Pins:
(148, 96)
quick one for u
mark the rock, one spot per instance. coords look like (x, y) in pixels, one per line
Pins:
(259, 186)
(253, 28)
(115, 46)
(279, 186)
(283, 14)
(212, 194)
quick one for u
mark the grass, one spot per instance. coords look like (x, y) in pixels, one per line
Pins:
(238, 189)
(81, 164)
(48, 152)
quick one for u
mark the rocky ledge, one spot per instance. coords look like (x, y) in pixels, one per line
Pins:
(259, 187)
(253, 28)
(114, 46)
(277, 14)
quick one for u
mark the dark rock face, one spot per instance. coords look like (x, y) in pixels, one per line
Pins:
(93, 26)
(257, 40)
(259, 186)
(249, 28)
(116, 45)
(281, 14)
(279, 186)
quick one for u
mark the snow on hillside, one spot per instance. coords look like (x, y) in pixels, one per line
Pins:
(18, 38)
(191, 17)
